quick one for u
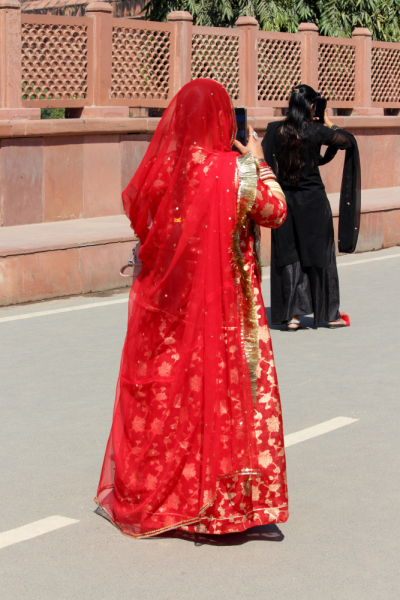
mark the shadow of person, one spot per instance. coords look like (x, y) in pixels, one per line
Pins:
(260, 533)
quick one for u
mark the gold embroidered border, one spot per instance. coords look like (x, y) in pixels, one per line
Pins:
(246, 196)
(197, 519)
(257, 245)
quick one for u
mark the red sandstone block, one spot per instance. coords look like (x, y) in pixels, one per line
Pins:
(397, 158)
(31, 128)
(49, 274)
(365, 140)
(21, 169)
(383, 159)
(105, 125)
(67, 126)
(9, 280)
(371, 232)
(101, 176)
(5, 129)
(101, 112)
(391, 228)
(138, 124)
(152, 124)
(63, 178)
(132, 152)
(101, 265)
(18, 128)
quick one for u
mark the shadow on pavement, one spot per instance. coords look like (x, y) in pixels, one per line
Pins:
(262, 533)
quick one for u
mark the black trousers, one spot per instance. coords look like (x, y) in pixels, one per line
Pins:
(297, 290)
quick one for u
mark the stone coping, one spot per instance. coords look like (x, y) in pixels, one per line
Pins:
(372, 200)
(63, 235)
(20, 128)
(76, 233)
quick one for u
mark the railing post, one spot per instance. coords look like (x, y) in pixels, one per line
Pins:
(181, 51)
(10, 64)
(309, 63)
(249, 27)
(363, 37)
(101, 13)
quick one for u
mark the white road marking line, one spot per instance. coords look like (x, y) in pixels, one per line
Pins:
(62, 310)
(355, 262)
(321, 429)
(366, 260)
(27, 532)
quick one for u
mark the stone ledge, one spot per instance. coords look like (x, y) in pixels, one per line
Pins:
(124, 125)
(63, 235)
(380, 200)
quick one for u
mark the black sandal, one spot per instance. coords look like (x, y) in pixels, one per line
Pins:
(293, 321)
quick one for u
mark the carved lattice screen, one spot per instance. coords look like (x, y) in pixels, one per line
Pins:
(217, 57)
(140, 64)
(336, 72)
(54, 61)
(279, 68)
(385, 74)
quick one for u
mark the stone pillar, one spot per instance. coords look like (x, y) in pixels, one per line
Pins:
(363, 37)
(10, 64)
(101, 13)
(309, 66)
(249, 71)
(181, 50)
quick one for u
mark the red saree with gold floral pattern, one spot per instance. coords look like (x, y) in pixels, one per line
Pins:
(196, 441)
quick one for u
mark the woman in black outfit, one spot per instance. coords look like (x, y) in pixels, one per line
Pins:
(304, 277)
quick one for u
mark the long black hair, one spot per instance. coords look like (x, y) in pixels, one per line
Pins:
(294, 139)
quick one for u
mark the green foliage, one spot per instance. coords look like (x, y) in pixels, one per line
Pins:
(52, 113)
(335, 18)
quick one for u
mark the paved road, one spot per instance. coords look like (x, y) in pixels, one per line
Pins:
(342, 538)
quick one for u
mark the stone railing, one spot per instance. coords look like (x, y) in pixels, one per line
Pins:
(100, 66)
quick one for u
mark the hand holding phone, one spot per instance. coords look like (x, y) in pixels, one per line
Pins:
(253, 144)
(241, 125)
(320, 107)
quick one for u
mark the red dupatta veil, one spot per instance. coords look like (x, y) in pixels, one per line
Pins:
(183, 422)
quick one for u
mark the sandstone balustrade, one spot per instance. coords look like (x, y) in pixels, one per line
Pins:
(100, 66)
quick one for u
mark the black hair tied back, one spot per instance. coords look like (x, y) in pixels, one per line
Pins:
(294, 140)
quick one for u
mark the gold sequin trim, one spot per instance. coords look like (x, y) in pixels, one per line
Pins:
(246, 195)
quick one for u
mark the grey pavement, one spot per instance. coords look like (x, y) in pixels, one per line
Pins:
(58, 375)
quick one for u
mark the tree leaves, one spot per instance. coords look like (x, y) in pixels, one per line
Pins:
(336, 18)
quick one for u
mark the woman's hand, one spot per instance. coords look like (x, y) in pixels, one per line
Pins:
(253, 145)
(327, 121)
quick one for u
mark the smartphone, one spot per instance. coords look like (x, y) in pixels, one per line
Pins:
(320, 106)
(241, 124)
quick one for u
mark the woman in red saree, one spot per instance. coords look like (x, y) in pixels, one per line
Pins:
(196, 441)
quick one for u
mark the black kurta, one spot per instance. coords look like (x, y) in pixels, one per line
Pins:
(303, 266)
(307, 233)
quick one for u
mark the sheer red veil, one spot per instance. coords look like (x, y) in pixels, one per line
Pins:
(183, 417)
